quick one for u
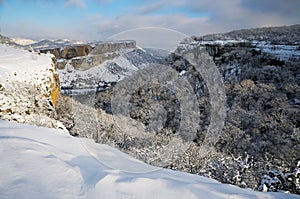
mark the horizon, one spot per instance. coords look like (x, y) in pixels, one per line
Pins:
(99, 20)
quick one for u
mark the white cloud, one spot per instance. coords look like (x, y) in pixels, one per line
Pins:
(29, 30)
(148, 8)
(104, 28)
(223, 16)
(75, 3)
(234, 14)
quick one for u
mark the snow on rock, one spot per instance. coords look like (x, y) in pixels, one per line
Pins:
(47, 163)
(281, 51)
(29, 86)
(106, 73)
(84, 78)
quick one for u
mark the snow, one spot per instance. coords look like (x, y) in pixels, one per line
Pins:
(283, 52)
(22, 41)
(38, 162)
(99, 73)
(182, 72)
(221, 42)
(109, 71)
(27, 82)
(21, 65)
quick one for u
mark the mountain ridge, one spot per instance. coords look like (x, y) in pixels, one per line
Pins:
(275, 35)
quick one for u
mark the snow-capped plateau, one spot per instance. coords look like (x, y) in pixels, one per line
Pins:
(281, 41)
(281, 51)
(38, 162)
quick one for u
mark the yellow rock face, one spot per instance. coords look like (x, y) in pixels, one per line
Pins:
(55, 90)
(29, 83)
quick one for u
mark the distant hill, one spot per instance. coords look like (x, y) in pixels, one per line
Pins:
(275, 35)
(7, 40)
(42, 44)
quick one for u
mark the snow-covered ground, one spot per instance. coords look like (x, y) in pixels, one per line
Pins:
(21, 65)
(38, 162)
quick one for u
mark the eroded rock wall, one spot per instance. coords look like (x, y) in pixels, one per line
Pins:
(69, 52)
(85, 56)
(29, 87)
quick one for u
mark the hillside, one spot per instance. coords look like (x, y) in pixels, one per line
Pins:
(275, 35)
(259, 142)
(47, 163)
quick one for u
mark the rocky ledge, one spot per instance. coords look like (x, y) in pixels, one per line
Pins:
(29, 87)
(86, 56)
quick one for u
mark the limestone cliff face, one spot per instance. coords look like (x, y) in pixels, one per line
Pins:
(68, 52)
(112, 46)
(87, 62)
(95, 73)
(29, 87)
(262, 122)
(85, 56)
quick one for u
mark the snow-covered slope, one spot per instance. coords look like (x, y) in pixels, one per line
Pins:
(101, 76)
(29, 85)
(38, 162)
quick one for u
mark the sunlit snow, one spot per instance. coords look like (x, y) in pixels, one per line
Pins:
(38, 162)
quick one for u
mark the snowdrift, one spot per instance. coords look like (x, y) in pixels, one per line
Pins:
(37, 162)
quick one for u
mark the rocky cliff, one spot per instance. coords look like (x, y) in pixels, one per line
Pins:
(103, 67)
(29, 87)
(287, 35)
(86, 56)
(68, 52)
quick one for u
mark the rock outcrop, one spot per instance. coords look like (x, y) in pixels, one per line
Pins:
(29, 87)
(94, 73)
(8, 41)
(113, 46)
(69, 52)
(86, 56)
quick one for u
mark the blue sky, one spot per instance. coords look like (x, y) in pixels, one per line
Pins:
(99, 19)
